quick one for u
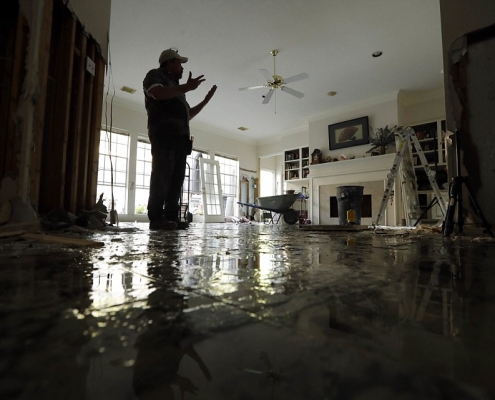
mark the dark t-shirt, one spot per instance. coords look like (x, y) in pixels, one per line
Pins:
(167, 119)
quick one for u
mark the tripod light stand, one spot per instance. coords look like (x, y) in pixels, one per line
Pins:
(455, 198)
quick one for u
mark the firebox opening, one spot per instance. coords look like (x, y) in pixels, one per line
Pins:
(365, 208)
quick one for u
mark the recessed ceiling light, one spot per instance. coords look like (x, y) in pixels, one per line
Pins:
(128, 89)
(332, 93)
(242, 128)
(377, 54)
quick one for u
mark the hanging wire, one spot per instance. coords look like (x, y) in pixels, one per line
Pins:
(108, 131)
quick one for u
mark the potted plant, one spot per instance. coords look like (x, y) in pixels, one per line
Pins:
(380, 138)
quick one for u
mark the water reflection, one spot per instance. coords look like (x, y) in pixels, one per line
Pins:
(43, 327)
(162, 321)
(161, 348)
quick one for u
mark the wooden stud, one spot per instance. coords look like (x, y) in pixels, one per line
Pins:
(75, 126)
(94, 142)
(17, 72)
(40, 108)
(86, 126)
(55, 138)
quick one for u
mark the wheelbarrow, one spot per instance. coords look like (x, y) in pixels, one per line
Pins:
(274, 207)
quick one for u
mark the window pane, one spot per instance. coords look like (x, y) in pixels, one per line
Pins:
(228, 174)
(116, 146)
(143, 174)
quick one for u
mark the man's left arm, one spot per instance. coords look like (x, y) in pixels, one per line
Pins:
(193, 111)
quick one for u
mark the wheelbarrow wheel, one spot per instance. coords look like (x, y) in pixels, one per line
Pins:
(290, 216)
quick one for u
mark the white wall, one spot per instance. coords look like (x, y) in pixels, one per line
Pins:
(459, 17)
(380, 112)
(415, 108)
(276, 146)
(94, 15)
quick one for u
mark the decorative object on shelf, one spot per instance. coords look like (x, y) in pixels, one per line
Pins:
(382, 137)
(316, 156)
(350, 133)
(421, 135)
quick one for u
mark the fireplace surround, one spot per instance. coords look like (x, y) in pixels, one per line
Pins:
(369, 172)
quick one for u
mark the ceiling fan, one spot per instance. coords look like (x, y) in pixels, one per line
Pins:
(275, 82)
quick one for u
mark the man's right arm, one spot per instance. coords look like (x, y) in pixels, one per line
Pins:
(160, 92)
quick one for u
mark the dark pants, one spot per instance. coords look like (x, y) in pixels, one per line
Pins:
(168, 170)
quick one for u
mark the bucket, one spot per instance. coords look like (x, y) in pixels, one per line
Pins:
(349, 198)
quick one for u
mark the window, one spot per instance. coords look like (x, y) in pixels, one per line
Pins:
(229, 179)
(114, 156)
(129, 157)
(229, 172)
(143, 174)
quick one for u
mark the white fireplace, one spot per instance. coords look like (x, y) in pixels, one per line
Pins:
(369, 172)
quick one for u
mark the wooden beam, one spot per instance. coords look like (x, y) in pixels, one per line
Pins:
(9, 15)
(75, 126)
(16, 72)
(40, 107)
(94, 143)
(55, 138)
(87, 126)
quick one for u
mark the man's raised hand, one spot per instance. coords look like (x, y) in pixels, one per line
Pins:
(193, 83)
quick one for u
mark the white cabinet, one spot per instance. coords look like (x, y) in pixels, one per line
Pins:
(296, 164)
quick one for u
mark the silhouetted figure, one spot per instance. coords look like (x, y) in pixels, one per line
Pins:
(161, 348)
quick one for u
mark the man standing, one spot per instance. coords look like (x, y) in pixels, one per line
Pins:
(168, 130)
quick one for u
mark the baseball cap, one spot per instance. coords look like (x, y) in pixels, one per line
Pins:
(170, 54)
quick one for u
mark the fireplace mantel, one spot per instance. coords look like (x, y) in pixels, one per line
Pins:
(370, 172)
(356, 165)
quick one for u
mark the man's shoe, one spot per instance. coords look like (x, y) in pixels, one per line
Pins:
(162, 225)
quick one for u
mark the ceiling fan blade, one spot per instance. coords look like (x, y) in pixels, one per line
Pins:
(296, 78)
(266, 74)
(252, 87)
(268, 96)
(292, 91)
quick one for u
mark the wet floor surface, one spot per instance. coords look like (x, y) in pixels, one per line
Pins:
(248, 312)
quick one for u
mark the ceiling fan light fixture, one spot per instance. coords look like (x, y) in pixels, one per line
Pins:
(274, 82)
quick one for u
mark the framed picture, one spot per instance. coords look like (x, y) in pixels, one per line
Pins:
(349, 133)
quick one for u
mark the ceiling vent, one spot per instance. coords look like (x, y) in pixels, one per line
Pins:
(128, 89)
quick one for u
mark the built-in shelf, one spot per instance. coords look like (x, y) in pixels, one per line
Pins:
(296, 164)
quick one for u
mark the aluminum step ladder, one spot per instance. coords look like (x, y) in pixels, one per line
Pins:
(403, 144)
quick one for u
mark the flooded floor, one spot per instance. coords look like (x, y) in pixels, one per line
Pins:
(248, 312)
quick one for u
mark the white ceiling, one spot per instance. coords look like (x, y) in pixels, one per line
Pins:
(230, 40)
